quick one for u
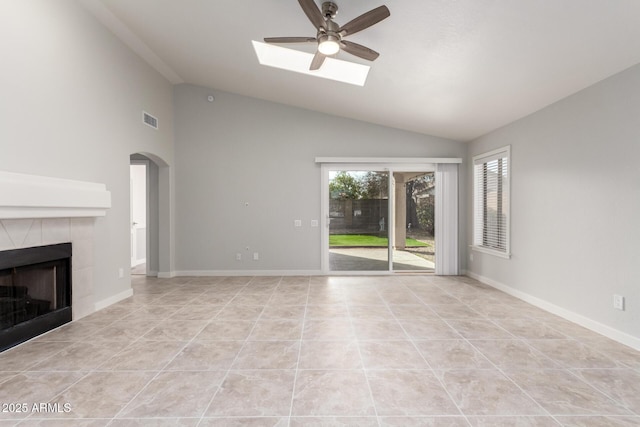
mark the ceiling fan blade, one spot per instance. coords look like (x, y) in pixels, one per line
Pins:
(317, 61)
(290, 40)
(313, 13)
(359, 50)
(365, 20)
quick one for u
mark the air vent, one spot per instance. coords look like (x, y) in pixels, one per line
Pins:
(149, 120)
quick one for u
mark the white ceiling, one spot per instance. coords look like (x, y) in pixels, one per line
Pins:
(451, 68)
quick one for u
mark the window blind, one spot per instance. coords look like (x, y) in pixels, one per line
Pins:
(491, 201)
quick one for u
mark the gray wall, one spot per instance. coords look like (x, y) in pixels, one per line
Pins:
(71, 105)
(575, 203)
(240, 150)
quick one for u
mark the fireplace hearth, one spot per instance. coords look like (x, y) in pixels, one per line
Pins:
(35, 292)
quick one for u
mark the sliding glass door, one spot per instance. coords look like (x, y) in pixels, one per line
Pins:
(358, 220)
(378, 219)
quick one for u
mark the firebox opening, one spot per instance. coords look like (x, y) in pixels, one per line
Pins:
(35, 292)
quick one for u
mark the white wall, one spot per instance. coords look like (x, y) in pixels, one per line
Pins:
(575, 206)
(71, 105)
(240, 150)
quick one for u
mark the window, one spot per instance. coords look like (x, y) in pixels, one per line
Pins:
(491, 173)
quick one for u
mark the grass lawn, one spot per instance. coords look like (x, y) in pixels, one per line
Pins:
(366, 240)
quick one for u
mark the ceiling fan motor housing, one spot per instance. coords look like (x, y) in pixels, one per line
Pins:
(329, 9)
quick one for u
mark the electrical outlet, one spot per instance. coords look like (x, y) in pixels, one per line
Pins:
(256, 256)
(618, 302)
(314, 222)
(238, 256)
(121, 273)
(297, 223)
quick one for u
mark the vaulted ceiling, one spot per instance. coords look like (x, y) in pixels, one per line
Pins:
(451, 68)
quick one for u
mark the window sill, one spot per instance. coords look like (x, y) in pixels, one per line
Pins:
(493, 252)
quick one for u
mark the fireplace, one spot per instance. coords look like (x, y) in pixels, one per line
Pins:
(35, 292)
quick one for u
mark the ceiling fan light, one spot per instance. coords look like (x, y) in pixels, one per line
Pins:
(328, 47)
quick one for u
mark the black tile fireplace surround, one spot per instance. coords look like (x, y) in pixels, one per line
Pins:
(35, 292)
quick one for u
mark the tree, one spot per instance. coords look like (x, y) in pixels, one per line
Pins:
(345, 186)
(375, 185)
(420, 206)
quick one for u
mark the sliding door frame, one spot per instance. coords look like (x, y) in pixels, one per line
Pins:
(389, 165)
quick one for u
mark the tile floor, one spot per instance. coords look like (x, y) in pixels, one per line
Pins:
(320, 351)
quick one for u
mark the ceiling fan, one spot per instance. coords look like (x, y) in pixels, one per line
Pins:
(330, 36)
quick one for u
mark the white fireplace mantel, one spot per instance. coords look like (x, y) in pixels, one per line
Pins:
(33, 196)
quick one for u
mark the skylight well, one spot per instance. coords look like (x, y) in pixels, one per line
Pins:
(293, 60)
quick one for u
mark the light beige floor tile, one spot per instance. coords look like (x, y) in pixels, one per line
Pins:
(429, 329)
(34, 387)
(76, 422)
(327, 311)
(81, 356)
(528, 329)
(276, 330)
(175, 394)
(153, 312)
(477, 329)
(330, 355)
(593, 375)
(280, 299)
(513, 421)
(175, 330)
(622, 385)
(240, 312)
(29, 354)
(252, 300)
(395, 297)
(573, 354)
(334, 422)
(408, 392)
(197, 312)
(487, 392)
(600, 421)
(412, 311)
(452, 354)
(622, 354)
(74, 331)
(268, 355)
(441, 421)
(245, 422)
(513, 354)
(436, 297)
(288, 312)
(562, 393)
(455, 311)
(225, 330)
(335, 393)
(143, 356)
(101, 394)
(254, 393)
(370, 312)
(205, 356)
(328, 330)
(391, 355)
(123, 330)
(378, 330)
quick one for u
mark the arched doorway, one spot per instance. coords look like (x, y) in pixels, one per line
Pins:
(158, 225)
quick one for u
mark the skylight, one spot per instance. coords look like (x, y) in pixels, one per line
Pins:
(293, 60)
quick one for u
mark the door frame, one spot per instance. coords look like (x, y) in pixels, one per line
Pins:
(388, 165)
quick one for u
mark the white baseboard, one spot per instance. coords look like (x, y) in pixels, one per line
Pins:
(113, 299)
(215, 273)
(607, 331)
